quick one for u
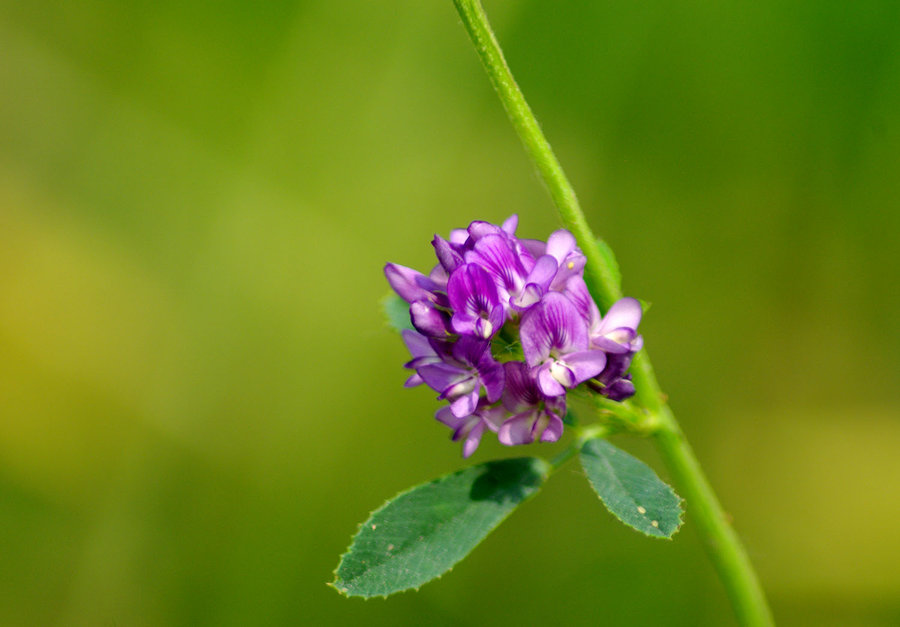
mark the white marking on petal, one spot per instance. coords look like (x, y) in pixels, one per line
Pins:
(462, 388)
(561, 373)
(620, 336)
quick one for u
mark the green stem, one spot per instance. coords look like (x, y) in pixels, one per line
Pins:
(719, 538)
(721, 542)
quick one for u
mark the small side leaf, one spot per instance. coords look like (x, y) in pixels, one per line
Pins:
(396, 312)
(631, 490)
(423, 532)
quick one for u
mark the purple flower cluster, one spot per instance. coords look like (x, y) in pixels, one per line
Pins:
(504, 327)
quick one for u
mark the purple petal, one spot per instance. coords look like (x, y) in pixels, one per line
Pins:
(529, 426)
(465, 325)
(510, 224)
(471, 326)
(446, 416)
(441, 377)
(529, 296)
(413, 381)
(617, 341)
(471, 427)
(560, 244)
(547, 383)
(465, 386)
(497, 316)
(521, 389)
(427, 319)
(426, 360)
(572, 266)
(483, 328)
(576, 290)
(586, 364)
(625, 313)
(494, 254)
(493, 379)
(473, 439)
(561, 371)
(535, 335)
(439, 276)
(556, 405)
(493, 417)
(637, 343)
(535, 247)
(620, 390)
(473, 296)
(465, 404)
(622, 335)
(443, 347)
(616, 365)
(416, 343)
(458, 236)
(543, 271)
(468, 281)
(448, 254)
(471, 351)
(465, 425)
(410, 284)
(479, 229)
(431, 351)
(526, 259)
(553, 325)
(518, 429)
(554, 429)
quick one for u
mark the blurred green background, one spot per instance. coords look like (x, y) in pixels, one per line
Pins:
(200, 401)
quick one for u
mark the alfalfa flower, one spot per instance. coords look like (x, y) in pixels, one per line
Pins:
(490, 285)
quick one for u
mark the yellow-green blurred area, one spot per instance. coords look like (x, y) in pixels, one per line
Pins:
(199, 400)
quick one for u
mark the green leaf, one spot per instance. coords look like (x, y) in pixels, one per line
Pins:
(631, 490)
(396, 311)
(423, 532)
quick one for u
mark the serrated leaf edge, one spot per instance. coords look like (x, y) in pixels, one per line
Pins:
(544, 469)
(680, 502)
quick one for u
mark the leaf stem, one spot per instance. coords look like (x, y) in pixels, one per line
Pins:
(722, 543)
(583, 435)
(564, 456)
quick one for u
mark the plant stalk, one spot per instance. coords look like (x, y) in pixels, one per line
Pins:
(719, 538)
(538, 148)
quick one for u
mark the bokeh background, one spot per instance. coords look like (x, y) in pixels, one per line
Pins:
(198, 398)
